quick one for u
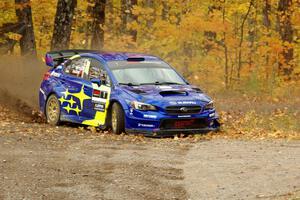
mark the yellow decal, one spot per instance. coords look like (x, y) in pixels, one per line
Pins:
(81, 96)
(100, 117)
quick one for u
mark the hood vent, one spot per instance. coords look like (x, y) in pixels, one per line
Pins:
(173, 93)
(138, 91)
(197, 90)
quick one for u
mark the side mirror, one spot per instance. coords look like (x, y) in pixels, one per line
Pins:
(96, 81)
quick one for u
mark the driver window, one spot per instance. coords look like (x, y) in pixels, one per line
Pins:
(97, 71)
(78, 67)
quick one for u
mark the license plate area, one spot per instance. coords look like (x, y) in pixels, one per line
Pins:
(183, 123)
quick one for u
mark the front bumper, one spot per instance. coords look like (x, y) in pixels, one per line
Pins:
(172, 132)
(154, 123)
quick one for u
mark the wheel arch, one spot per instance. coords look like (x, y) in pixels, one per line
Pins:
(51, 93)
(111, 103)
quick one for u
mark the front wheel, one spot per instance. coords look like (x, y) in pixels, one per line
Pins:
(117, 119)
(53, 110)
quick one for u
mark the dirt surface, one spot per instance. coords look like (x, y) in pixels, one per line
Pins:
(38, 161)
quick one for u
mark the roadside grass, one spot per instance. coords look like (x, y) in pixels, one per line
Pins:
(251, 125)
(256, 115)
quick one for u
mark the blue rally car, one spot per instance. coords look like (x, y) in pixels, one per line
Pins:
(126, 92)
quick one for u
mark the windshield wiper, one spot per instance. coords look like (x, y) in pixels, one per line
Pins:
(129, 84)
(167, 83)
(162, 83)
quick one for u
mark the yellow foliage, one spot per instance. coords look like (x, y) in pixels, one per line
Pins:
(192, 36)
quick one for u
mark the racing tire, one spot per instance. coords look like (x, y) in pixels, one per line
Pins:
(117, 119)
(52, 110)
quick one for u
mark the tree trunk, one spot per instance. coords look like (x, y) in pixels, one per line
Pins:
(267, 23)
(127, 17)
(252, 32)
(286, 34)
(7, 44)
(111, 16)
(266, 14)
(150, 4)
(63, 24)
(165, 11)
(242, 40)
(211, 36)
(27, 41)
(226, 72)
(98, 15)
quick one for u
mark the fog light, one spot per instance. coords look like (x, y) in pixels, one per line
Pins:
(211, 123)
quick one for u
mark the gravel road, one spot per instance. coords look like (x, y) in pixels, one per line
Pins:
(38, 161)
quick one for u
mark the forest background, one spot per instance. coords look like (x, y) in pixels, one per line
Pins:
(240, 50)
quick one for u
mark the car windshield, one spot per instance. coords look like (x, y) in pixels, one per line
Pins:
(144, 73)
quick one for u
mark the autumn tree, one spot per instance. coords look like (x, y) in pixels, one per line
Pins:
(24, 15)
(63, 24)
(165, 10)
(98, 20)
(286, 33)
(7, 44)
(128, 17)
(242, 39)
(237, 44)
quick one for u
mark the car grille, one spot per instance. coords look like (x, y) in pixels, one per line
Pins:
(183, 123)
(183, 109)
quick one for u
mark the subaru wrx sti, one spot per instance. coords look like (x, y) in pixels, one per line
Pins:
(127, 92)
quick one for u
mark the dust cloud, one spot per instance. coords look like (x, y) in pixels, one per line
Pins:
(20, 80)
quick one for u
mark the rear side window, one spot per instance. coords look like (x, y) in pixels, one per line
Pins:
(78, 67)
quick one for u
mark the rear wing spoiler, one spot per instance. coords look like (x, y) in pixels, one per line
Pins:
(55, 58)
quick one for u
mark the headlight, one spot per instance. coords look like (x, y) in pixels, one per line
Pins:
(142, 106)
(209, 106)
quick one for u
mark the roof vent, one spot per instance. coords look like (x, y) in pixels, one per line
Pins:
(135, 59)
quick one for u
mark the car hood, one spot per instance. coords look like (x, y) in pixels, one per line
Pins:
(168, 95)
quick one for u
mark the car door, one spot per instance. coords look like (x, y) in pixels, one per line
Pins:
(75, 94)
(100, 94)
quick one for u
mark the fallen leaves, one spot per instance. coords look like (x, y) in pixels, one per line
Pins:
(277, 123)
(280, 123)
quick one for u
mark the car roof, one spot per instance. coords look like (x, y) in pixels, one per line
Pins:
(123, 56)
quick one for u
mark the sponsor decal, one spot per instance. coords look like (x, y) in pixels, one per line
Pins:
(55, 74)
(173, 103)
(186, 102)
(145, 125)
(131, 111)
(73, 101)
(100, 94)
(98, 100)
(96, 93)
(182, 102)
(165, 87)
(42, 91)
(99, 107)
(150, 116)
(211, 115)
(184, 116)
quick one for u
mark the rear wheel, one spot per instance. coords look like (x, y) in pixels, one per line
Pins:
(53, 110)
(117, 119)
